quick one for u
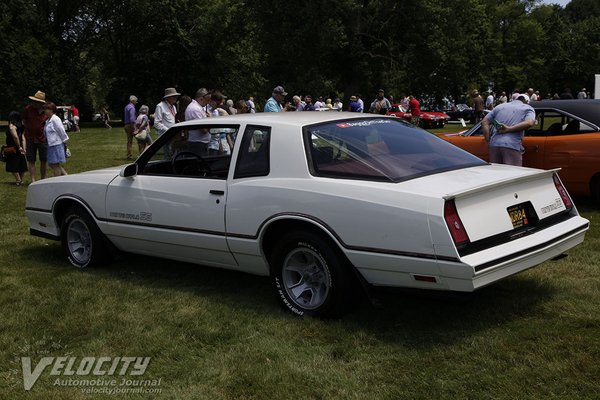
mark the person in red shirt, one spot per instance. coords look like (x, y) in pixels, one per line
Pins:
(414, 108)
(75, 114)
(34, 121)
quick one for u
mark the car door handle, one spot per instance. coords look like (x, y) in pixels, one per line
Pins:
(217, 192)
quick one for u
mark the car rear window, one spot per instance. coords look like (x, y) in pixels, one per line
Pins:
(382, 149)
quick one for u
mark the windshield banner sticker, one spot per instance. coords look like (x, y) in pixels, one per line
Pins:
(364, 123)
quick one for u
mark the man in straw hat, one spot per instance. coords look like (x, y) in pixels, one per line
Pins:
(34, 120)
(165, 116)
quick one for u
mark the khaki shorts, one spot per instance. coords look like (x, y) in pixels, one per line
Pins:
(129, 131)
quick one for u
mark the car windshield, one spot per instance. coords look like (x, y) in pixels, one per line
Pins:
(384, 149)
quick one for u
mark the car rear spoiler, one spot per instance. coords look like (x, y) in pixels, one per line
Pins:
(532, 176)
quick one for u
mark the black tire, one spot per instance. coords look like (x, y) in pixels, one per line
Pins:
(309, 277)
(82, 241)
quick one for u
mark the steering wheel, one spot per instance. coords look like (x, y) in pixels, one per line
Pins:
(202, 167)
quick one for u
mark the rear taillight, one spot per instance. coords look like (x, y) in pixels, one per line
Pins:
(562, 192)
(455, 225)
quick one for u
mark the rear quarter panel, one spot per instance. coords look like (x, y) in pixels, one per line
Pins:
(578, 155)
(362, 214)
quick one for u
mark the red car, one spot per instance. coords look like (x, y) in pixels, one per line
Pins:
(428, 119)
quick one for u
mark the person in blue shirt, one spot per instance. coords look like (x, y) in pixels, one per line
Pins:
(504, 127)
(130, 116)
(274, 104)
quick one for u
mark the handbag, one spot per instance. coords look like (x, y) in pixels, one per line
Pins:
(141, 135)
(9, 150)
(67, 151)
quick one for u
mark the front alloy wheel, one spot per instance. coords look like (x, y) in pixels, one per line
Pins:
(82, 241)
(79, 242)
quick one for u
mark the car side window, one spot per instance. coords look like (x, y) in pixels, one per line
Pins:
(253, 156)
(176, 153)
(555, 123)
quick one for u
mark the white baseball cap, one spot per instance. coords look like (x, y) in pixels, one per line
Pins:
(524, 97)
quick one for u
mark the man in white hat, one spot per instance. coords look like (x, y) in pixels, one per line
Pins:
(165, 116)
(34, 120)
(504, 127)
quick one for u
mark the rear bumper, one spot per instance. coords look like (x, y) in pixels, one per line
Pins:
(494, 264)
(469, 273)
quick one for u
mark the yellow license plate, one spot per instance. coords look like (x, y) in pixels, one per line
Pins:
(518, 216)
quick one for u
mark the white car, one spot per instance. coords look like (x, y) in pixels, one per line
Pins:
(318, 202)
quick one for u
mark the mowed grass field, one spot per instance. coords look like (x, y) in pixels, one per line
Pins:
(216, 334)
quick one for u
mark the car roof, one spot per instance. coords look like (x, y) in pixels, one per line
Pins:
(292, 118)
(588, 109)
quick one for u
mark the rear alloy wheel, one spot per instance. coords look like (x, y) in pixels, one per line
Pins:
(308, 276)
(82, 241)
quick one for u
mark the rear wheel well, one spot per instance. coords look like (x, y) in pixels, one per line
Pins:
(279, 228)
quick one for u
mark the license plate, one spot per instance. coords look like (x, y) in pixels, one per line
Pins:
(518, 216)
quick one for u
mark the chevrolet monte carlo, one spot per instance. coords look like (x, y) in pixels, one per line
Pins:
(322, 203)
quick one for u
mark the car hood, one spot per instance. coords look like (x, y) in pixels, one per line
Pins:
(110, 171)
(436, 114)
(99, 176)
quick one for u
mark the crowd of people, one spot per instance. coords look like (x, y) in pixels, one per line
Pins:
(175, 107)
(38, 132)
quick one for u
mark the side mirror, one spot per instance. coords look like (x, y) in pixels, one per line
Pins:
(129, 171)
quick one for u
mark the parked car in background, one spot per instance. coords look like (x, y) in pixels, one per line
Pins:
(66, 116)
(428, 119)
(323, 203)
(566, 135)
(461, 111)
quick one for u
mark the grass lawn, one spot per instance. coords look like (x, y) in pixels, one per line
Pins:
(215, 334)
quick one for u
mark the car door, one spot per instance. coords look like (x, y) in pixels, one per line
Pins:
(575, 150)
(172, 208)
(534, 141)
(533, 151)
(474, 143)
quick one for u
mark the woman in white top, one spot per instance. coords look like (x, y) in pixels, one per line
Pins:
(56, 138)
(142, 129)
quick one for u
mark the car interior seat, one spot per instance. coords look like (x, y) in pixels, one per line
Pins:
(555, 129)
(323, 154)
(572, 127)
